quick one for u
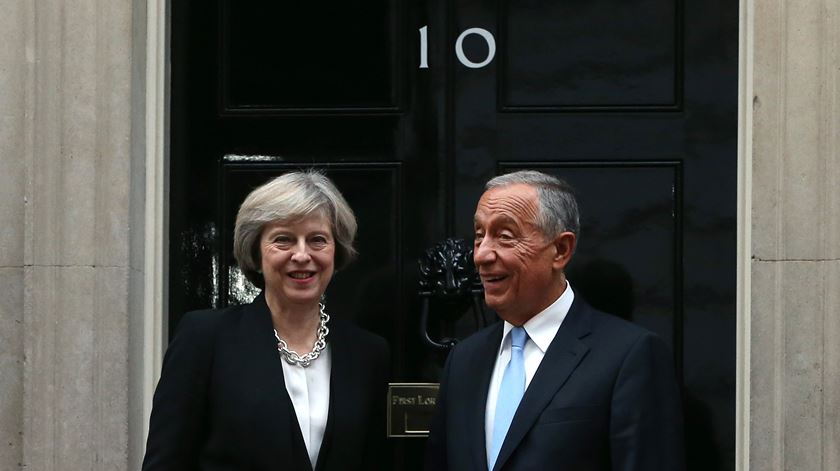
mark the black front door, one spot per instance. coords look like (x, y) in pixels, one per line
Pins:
(411, 106)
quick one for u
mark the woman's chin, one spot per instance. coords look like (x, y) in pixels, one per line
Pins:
(297, 297)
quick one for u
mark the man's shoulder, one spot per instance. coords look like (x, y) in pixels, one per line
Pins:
(619, 333)
(609, 322)
(480, 338)
(477, 348)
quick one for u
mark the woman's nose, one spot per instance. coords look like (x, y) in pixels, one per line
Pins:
(300, 253)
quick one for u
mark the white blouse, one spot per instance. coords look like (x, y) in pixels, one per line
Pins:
(309, 389)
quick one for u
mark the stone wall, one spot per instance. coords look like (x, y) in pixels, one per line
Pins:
(14, 65)
(68, 226)
(790, 137)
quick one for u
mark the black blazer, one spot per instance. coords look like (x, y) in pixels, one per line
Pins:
(221, 403)
(603, 398)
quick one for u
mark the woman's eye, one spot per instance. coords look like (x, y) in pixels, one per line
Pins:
(282, 240)
(319, 241)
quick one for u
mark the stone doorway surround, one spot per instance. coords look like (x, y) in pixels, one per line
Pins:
(789, 236)
(83, 141)
(82, 219)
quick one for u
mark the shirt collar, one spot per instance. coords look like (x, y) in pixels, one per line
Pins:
(543, 327)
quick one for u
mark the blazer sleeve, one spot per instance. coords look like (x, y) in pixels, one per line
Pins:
(436, 445)
(646, 426)
(376, 451)
(177, 424)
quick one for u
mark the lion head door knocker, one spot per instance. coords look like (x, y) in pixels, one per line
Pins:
(449, 280)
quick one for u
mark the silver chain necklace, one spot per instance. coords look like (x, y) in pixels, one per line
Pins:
(292, 357)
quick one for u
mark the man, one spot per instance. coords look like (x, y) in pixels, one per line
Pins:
(557, 385)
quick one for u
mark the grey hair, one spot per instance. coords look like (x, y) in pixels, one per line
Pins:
(558, 208)
(288, 198)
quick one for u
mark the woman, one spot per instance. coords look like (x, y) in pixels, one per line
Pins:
(276, 384)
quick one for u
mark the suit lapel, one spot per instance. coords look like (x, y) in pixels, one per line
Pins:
(564, 354)
(482, 361)
(282, 436)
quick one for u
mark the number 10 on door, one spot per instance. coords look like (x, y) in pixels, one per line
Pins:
(487, 36)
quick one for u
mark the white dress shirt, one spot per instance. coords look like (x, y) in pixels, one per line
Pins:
(309, 389)
(541, 330)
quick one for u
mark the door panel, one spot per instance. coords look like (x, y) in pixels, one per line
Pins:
(600, 54)
(309, 57)
(634, 103)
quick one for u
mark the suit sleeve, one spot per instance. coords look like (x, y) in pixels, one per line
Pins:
(646, 426)
(436, 452)
(178, 421)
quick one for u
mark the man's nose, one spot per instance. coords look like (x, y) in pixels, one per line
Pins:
(484, 253)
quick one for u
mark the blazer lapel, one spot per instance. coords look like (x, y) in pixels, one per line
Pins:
(275, 408)
(564, 354)
(483, 360)
(340, 374)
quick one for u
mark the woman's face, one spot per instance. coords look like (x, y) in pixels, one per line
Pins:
(298, 260)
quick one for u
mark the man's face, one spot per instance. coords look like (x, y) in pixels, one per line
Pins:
(517, 263)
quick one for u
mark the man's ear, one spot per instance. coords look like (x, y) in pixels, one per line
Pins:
(564, 247)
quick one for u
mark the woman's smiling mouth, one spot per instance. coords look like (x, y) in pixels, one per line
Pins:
(302, 275)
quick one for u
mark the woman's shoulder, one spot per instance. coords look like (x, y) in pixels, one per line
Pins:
(207, 321)
(346, 329)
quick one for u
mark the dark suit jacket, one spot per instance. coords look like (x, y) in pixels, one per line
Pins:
(221, 403)
(603, 398)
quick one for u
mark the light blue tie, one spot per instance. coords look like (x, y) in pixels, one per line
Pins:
(510, 393)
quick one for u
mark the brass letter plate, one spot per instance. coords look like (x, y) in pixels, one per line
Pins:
(410, 408)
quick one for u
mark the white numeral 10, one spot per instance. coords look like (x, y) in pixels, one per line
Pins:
(459, 47)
